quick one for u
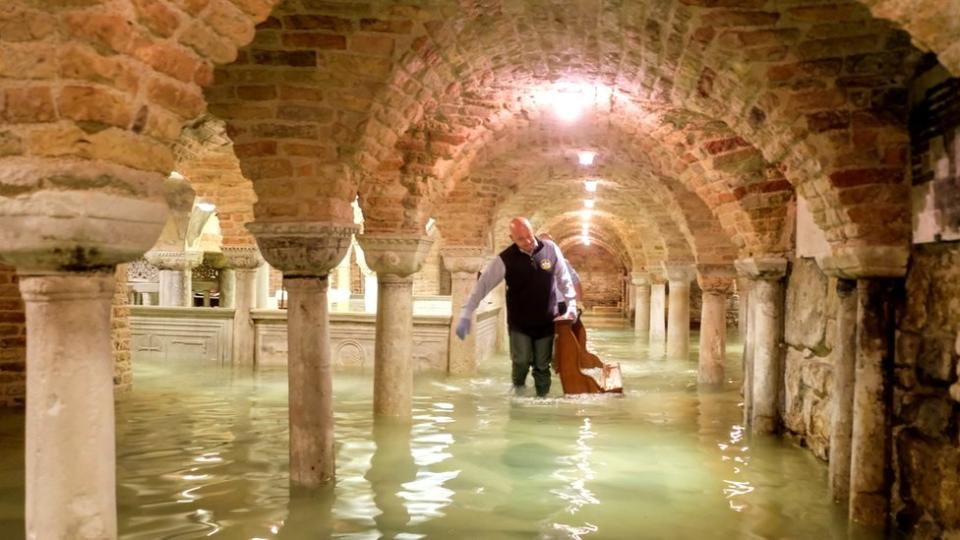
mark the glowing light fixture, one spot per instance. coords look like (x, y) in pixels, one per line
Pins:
(586, 157)
(591, 185)
(206, 206)
(176, 176)
(586, 240)
(588, 203)
(587, 214)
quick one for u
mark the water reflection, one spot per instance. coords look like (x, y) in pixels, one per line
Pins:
(203, 451)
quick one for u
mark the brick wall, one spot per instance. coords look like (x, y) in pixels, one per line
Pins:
(601, 275)
(13, 340)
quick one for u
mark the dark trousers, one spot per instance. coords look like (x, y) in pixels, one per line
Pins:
(526, 353)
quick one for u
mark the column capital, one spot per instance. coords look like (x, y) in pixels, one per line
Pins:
(174, 260)
(241, 257)
(656, 275)
(679, 272)
(303, 248)
(715, 278)
(395, 253)
(770, 268)
(856, 262)
(468, 259)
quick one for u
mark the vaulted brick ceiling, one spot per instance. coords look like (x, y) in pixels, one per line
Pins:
(712, 115)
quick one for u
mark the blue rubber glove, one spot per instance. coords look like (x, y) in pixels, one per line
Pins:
(463, 328)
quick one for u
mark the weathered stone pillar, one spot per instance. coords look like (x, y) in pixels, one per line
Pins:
(263, 286)
(678, 327)
(243, 262)
(841, 425)
(463, 263)
(86, 216)
(767, 312)
(70, 460)
(870, 444)
(176, 279)
(228, 287)
(743, 309)
(641, 303)
(715, 282)
(305, 253)
(658, 312)
(395, 258)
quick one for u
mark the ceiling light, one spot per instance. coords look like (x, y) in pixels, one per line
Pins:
(206, 206)
(586, 157)
(591, 185)
(176, 176)
(586, 240)
(587, 214)
(588, 203)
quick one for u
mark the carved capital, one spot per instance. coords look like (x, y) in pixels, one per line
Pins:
(241, 257)
(303, 248)
(856, 262)
(715, 278)
(640, 278)
(770, 269)
(397, 254)
(683, 273)
(466, 259)
(174, 260)
(75, 215)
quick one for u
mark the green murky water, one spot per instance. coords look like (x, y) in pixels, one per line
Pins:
(202, 452)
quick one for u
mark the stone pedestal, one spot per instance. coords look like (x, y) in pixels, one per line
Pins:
(767, 329)
(176, 283)
(70, 460)
(658, 313)
(395, 258)
(641, 303)
(243, 262)
(715, 282)
(463, 263)
(841, 399)
(305, 253)
(870, 438)
(678, 326)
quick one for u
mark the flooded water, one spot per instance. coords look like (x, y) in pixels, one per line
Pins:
(202, 452)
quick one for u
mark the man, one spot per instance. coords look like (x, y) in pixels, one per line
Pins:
(536, 275)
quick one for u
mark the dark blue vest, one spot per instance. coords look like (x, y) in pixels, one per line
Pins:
(531, 304)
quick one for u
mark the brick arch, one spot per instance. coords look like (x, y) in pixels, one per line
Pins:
(566, 231)
(929, 24)
(205, 157)
(819, 130)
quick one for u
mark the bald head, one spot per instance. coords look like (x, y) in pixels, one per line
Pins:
(521, 232)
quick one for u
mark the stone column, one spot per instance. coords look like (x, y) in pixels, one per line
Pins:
(715, 282)
(658, 312)
(842, 395)
(86, 216)
(228, 287)
(176, 282)
(70, 460)
(395, 258)
(243, 263)
(870, 451)
(746, 315)
(263, 286)
(641, 303)
(463, 263)
(743, 295)
(678, 326)
(306, 252)
(767, 312)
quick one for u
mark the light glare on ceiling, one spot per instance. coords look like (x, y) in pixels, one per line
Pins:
(586, 157)
(591, 185)
(588, 203)
(206, 206)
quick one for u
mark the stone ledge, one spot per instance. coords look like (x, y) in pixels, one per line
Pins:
(855, 262)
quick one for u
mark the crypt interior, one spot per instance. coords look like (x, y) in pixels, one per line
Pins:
(236, 235)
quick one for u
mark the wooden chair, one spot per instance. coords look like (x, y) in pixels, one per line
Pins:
(582, 372)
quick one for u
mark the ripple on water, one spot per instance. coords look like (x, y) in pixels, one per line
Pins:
(202, 452)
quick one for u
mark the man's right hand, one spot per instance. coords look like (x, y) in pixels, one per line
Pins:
(463, 328)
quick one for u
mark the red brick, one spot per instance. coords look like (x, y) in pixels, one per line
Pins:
(317, 22)
(863, 177)
(387, 26)
(27, 105)
(156, 16)
(94, 104)
(314, 40)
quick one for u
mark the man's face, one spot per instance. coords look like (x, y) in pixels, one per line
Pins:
(523, 238)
